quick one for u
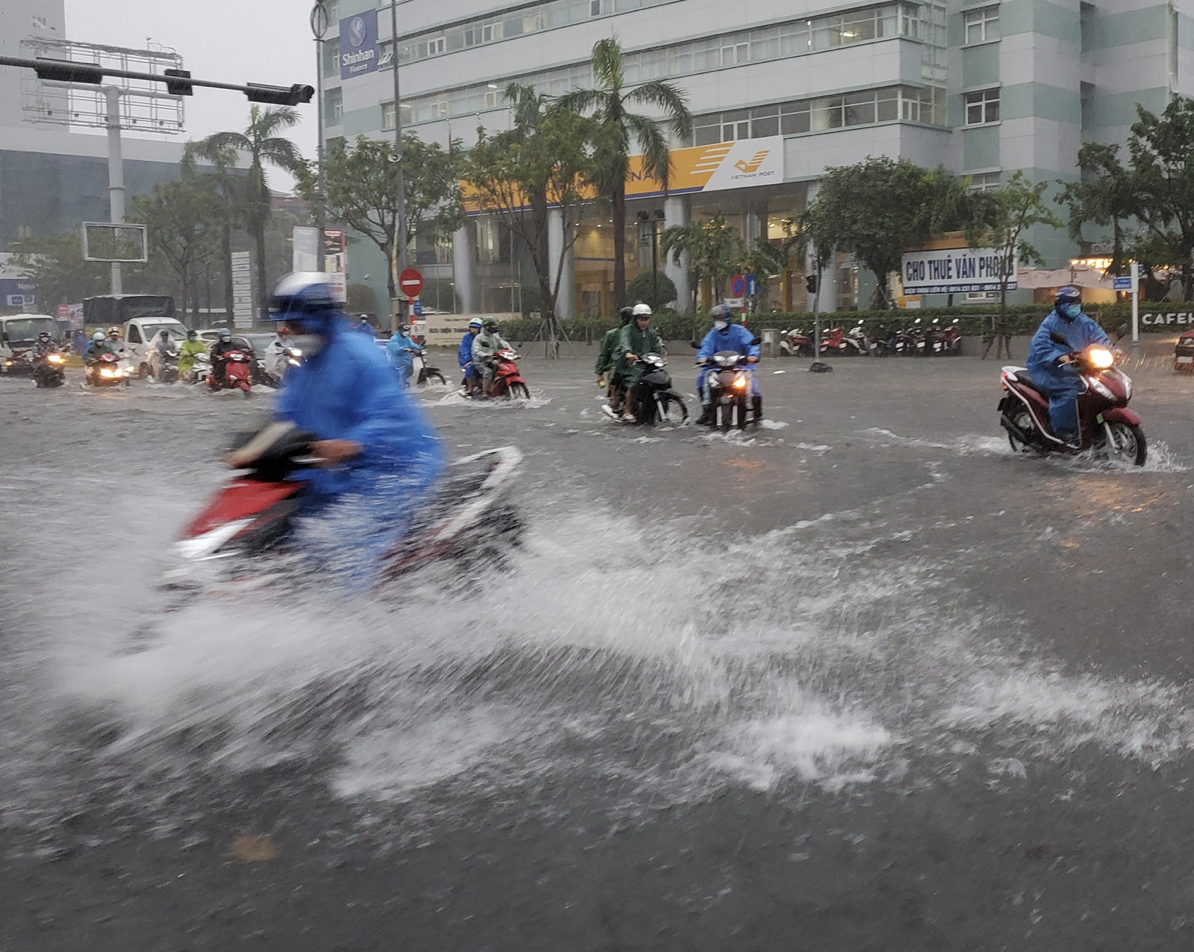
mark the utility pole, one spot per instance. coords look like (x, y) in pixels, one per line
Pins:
(398, 262)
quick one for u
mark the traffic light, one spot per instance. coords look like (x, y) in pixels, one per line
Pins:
(279, 95)
(65, 71)
(178, 82)
(810, 282)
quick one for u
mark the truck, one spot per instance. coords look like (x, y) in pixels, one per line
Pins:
(141, 317)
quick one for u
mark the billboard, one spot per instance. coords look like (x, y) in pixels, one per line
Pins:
(956, 270)
(358, 45)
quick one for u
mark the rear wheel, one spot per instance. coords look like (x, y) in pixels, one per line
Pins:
(519, 391)
(434, 376)
(1125, 442)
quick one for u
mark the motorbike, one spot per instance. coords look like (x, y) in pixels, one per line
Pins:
(1183, 354)
(730, 400)
(105, 371)
(200, 369)
(837, 343)
(507, 381)
(909, 341)
(423, 373)
(238, 373)
(951, 335)
(242, 537)
(872, 346)
(169, 369)
(20, 362)
(49, 370)
(275, 365)
(796, 343)
(655, 400)
(1105, 424)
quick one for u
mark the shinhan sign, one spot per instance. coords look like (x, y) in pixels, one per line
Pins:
(955, 270)
(358, 45)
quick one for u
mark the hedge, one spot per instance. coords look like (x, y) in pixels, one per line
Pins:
(973, 321)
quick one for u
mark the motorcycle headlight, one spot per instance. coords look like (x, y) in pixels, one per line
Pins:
(109, 372)
(740, 383)
(55, 359)
(1100, 357)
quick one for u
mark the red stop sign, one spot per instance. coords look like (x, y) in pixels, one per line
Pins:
(410, 283)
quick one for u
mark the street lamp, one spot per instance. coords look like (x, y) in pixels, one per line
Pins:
(321, 20)
(399, 256)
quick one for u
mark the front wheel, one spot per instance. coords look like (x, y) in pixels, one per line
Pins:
(1125, 442)
(434, 376)
(518, 391)
(670, 408)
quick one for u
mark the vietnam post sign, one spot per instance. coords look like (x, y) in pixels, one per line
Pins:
(358, 45)
(955, 270)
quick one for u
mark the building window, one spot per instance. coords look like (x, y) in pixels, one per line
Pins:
(385, 50)
(387, 115)
(333, 106)
(982, 107)
(437, 46)
(491, 97)
(331, 57)
(982, 25)
(984, 182)
(594, 8)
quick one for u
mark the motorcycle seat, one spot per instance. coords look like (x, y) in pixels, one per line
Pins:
(1022, 376)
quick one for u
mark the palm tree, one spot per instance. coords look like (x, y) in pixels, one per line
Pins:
(261, 143)
(223, 161)
(610, 103)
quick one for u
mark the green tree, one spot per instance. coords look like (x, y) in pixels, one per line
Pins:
(263, 146)
(764, 259)
(229, 186)
(540, 167)
(359, 191)
(653, 288)
(1104, 196)
(610, 105)
(1009, 212)
(877, 208)
(183, 224)
(713, 248)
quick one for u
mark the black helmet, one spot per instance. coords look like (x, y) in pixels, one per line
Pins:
(405, 328)
(44, 337)
(489, 324)
(626, 315)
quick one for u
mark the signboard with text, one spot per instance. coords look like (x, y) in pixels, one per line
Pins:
(242, 289)
(358, 45)
(956, 270)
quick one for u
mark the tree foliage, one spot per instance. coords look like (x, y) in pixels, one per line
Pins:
(653, 288)
(55, 263)
(611, 104)
(540, 167)
(713, 249)
(360, 191)
(879, 207)
(263, 145)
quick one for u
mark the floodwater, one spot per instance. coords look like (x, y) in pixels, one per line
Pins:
(861, 679)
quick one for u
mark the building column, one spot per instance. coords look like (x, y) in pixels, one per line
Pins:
(464, 267)
(828, 300)
(566, 292)
(677, 210)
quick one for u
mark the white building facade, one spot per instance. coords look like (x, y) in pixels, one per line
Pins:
(985, 88)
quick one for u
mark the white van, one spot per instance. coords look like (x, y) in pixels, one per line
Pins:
(18, 332)
(139, 334)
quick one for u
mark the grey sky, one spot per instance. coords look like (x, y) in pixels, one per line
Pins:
(238, 41)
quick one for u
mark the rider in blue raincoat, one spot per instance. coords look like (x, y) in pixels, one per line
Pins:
(400, 353)
(1062, 383)
(726, 336)
(379, 454)
(464, 356)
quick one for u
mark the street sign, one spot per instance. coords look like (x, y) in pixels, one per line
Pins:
(752, 286)
(242, 289)
(417, 307)
(737, 286)
(321, 20)
(1121, 284)
(410, 283)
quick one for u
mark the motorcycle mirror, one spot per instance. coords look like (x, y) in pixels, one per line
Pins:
(755, 341)
(1121, 331)
(954, 321)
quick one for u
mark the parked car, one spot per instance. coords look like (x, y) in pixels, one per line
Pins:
(1183, 353)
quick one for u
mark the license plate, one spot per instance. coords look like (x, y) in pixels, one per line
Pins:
(1185, 360)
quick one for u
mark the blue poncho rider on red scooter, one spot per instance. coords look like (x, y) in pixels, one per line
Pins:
(726, 335)
(378, 453)
(1062, 382)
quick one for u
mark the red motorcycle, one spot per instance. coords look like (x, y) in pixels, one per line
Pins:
(1183, 354)
(796, 343)
(243, 537)
(507, 381)
(1105, 424)
(238, 373)
(837, 343)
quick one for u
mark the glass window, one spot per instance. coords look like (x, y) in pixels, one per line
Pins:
(594, 8)
(794, 39)
(860, 108)
(982, 25)
(333, 106)
(887, 106)
(982, 106)
(984, 182)
(331, 57)
(387, 115)
(437, 46)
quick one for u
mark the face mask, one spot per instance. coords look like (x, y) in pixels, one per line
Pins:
(721, 325)
(1071, 310)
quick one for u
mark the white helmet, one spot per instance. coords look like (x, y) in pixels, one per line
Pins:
(641, 310)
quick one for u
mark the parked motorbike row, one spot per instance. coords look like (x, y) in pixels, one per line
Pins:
(918, 339)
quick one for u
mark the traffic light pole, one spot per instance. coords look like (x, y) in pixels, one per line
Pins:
(398, 259)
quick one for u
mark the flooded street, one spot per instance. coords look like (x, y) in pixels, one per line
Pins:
(861, 679)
